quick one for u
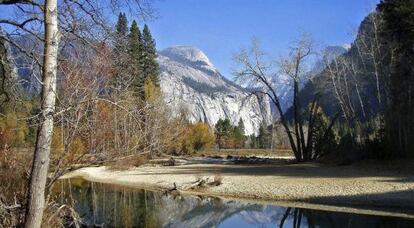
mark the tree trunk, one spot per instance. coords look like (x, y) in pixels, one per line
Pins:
(296, 119)
(283, 120)
(40, 166)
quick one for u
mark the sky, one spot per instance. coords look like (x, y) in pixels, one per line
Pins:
(221, 27)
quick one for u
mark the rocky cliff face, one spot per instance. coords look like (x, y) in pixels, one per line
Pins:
(8, 71)
(361, 77)
(190, 81)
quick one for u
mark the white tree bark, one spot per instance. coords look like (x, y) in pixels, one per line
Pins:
(40, 166)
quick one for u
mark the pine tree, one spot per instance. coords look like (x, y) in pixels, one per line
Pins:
(223, 129)
(149, 64)
(238, 134)
(398, 33)
(253, 141)
(240, 125)
(135, 53)
(122, 25)
(261, 137)
(237, 137)
(323, 140)
(264, 137)
(120, 54)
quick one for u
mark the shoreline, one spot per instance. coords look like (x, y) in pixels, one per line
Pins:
(351, 190)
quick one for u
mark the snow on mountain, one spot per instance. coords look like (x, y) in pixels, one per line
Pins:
(346, 46)
(189, 80)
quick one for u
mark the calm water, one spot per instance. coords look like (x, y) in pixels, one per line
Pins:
(114, 206)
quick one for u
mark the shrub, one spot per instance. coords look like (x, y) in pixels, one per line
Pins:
(201, 136)
(13, 185)
(192, 137)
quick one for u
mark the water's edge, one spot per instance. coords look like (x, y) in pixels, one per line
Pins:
(112, 205)
(352, 207)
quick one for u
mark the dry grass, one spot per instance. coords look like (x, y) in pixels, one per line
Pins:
(14, 168)
(14, 165)
(57, 215)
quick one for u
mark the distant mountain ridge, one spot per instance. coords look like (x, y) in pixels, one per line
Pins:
(355, 53)
(188, 79)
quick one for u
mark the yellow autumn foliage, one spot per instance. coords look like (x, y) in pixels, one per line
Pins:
(193, 137)
(152, 92)
(12, 130)
(201, 136)
(76, 148)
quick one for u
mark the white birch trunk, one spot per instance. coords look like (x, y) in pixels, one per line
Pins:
(40, 166)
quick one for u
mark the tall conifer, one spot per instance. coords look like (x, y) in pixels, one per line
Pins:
(149, 63)
(398, 33)
(121, 51)
(135, 53)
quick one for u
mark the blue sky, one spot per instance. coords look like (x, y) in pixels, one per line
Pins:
(221, 27)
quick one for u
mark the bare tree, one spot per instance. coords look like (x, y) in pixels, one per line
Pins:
(362, 66)
(293, 67)
(47, 23)
(336, 72)
(373, 54)
(260, 76)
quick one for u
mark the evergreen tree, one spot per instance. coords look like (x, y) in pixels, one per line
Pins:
(237, 137)
(324, 140)
(149, 54)
(398, 33)
(122, 25)
(240, 125)
(135, 53)
(264, 137)
(223, 130)
(261, 136)
(253, 141)
(238, 134)
(229, 136)
(120, 54)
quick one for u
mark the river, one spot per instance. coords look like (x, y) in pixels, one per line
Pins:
(115, 206)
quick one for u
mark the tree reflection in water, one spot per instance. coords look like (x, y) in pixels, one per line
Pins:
(299, 217)
(114, 206)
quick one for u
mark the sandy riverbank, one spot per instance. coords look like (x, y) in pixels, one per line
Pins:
(376, 188)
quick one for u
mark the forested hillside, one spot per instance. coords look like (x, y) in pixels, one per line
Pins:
(370, 86)
(351, 83)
